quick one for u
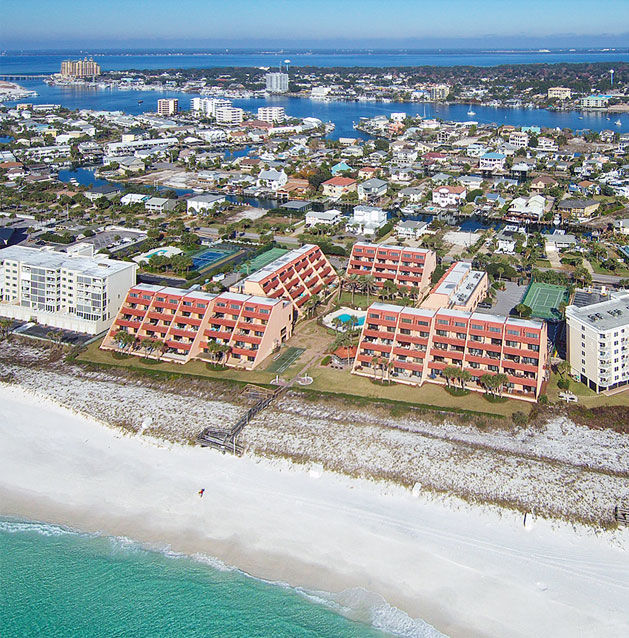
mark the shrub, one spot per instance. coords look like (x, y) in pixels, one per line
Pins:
(519, 418)
(326, 360)
(564, 384)
(543, 399)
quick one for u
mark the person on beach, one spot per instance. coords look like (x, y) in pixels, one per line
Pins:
(201, 492)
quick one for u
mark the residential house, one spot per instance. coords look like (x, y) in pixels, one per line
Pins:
(324, 218)
(578, 207)
(339, 186)
(410, 229)
(366, 220)
(445, 196)
(372, 188)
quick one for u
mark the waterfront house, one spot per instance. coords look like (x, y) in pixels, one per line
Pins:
(339, 186)
(372, 188)
(410, 229)
(366, 220)
(445, 196)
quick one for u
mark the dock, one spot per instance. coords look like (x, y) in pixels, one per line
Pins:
(225, 439)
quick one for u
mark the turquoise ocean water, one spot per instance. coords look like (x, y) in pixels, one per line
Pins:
(55, 582)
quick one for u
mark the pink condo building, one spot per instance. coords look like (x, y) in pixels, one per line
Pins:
(406, 267)
(414, 345)
(190, 324)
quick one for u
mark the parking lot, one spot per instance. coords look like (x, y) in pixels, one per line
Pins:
(506, 299)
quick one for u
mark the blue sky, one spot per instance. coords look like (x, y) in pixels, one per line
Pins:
(37, 24)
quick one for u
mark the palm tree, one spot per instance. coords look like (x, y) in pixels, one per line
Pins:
(501, 381)
(160, 346)
(465, 376)
(312, 304)
(124, 339)
(563, 368)
(449, 373)
(375, 363)
(337, 323)
(5, 327)
(369, 283)
(488, 382)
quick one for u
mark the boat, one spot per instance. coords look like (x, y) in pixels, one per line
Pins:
(140, 101)
(618, 123)
(470, 112)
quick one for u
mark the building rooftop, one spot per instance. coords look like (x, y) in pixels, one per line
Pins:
(278, 263)
(605, 315)
(40, 257)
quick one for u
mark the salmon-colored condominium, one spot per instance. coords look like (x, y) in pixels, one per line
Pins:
(179, 325)
(405, 267)
(414, 345)
(460, 288)
(297, 276)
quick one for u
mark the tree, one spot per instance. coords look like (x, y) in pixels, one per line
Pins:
(465, 376)
(582, 276)
(523, 310)
(124, 339)
(375, 364)
(450, 373)
(500, 381)
(160, 346)
(5, 327)
(563, 368)
(488, 382)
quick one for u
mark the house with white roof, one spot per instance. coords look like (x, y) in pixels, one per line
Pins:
(325, 218)
(271, 179)
(366, 220)
(203, 203)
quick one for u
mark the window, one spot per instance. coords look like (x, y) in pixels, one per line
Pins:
(459, 324)
(531, 335)
(389, 318)
(495, 329)
(477, 326)
(513, 332)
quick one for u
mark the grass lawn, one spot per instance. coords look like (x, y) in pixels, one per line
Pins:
(599, 270)
(587, 397)
(543, 263)
(194, 368)
(333, 381)
(362, 301)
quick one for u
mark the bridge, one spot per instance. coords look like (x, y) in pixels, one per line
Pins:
(17, 76)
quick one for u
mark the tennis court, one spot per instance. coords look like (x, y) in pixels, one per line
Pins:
(544, 300)
(210, 257)
(262, 260)
(286, 360)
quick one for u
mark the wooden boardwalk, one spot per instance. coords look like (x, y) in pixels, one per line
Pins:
(225, 439)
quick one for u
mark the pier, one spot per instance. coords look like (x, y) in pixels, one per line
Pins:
(225, 440)
(13, 76)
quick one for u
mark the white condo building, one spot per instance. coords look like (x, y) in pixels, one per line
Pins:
(598, 342)
(208, 105)
(277, 82)
(70, 291)
(271, 114)
(229, 115)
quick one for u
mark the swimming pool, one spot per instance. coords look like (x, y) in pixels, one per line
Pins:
(346, 318)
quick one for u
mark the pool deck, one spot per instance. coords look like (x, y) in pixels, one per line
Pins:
(327, 320)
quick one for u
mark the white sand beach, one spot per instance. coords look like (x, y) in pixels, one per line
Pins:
(468, 571)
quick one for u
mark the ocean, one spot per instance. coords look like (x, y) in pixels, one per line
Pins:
(56, 582)
(50, 62)
(342, 114)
